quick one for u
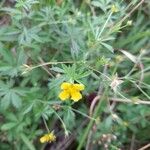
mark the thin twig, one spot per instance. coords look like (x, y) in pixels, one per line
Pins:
(81, 113)
(145, 147)
(130, 101)
(52, 63)
(141, 66)
(98, 94)
(132, 142)
(93, 104)
(88, 145)
(92, 10)
(45, 67)
(128, 14)
(90, 124)
(66, 142)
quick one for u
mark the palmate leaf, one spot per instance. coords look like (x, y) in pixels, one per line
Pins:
(10, 95)
(11, 66)
(25, 4)
(11, 98)
(75, 72)
(29, 35)
(9, 70)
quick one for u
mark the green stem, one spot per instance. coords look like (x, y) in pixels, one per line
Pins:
(83, 139)
(83, 114)
(99, 34)
(46, 125)
(63, 124)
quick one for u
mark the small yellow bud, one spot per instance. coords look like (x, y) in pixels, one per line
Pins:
(114, 9)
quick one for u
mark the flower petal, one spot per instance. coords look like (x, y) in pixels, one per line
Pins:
(76, 96)
(42, 140)
(79, 87)
(50, 137)
(64, 95)
(65, 85)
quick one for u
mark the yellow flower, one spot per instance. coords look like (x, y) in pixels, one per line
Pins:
(70, 90)
(114, 9)
(50, 137)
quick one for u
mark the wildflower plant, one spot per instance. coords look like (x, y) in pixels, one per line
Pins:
(74, 72)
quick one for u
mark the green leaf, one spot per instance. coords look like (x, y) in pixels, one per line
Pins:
(87, 73)
(57, 69)
(7, 55)
(133, 38)
(28, 109)
(69, 118)
(8, 126)
(130, 56)
(108, 123)
(16, 100)
(98, 4)
(47, 112)
(56, 82)
(109, 47)
(21, 58)
(27, 142)
(8, 34)
(5, 101)
(36, 38)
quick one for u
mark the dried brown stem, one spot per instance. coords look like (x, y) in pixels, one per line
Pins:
(93, 104)
(128, 14)
(130, 101)
(145, 147)
(142, 72)
(132, 142)
(45, 67)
